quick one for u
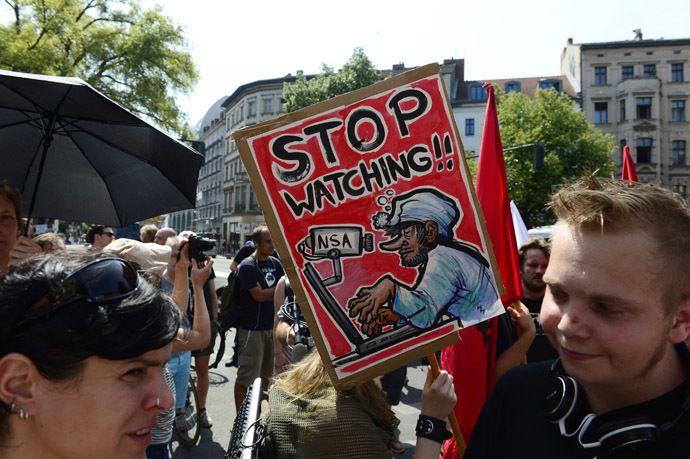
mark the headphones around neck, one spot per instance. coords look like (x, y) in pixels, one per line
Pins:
(562, 402)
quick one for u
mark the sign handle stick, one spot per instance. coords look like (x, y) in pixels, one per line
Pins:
(457, 433)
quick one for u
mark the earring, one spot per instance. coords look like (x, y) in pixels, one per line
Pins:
(158, 402)
(23, 414)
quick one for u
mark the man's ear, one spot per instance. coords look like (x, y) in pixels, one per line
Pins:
(431, 229)
(18, 380)
(681, 322)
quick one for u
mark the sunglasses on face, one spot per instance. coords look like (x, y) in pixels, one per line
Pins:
(99, 281)
(108, 233)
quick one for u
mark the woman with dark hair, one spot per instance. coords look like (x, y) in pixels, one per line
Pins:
(82, 344)
(10, 213)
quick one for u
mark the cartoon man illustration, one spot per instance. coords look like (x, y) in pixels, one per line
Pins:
(454, 278)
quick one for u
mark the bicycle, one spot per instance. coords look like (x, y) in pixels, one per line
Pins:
(192, 414)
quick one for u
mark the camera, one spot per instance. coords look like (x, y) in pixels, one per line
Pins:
(198, 245)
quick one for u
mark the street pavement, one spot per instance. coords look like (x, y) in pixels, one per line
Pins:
(221, 404)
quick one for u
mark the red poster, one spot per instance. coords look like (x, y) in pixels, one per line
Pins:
(370, 203)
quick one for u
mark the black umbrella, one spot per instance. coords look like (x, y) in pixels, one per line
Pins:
(76, 155)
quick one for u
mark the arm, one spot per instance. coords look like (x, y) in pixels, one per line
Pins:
(283, 335)
(262, 294)
(438, 400)
(515, 354)
(200, 335)
(180, 294)
(280, 331)
(234, 265)
(214, 299)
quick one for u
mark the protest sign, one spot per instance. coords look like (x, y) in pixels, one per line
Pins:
(371, 205)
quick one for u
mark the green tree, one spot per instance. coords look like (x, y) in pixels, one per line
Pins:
(357, 73)
(139, 59)
(572, 146)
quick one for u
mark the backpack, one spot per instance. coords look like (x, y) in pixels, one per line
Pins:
(230, 309)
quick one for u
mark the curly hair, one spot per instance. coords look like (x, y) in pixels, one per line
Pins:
(533, 243)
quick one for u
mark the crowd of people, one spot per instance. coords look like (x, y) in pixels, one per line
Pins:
(96, 346)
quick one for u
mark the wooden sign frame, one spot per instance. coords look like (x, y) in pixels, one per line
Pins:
(371, 205)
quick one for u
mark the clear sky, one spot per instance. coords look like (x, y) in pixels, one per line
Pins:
(236, 42)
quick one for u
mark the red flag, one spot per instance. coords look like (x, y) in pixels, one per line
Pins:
(472, 361)
(629, 172)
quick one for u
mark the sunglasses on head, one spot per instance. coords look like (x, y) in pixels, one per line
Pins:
(99, 281)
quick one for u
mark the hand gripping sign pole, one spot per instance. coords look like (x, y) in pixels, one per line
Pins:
(454, 425)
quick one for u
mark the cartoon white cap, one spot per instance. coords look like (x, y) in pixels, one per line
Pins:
(422, 206)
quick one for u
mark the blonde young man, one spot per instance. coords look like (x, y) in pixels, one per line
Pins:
(617, 310)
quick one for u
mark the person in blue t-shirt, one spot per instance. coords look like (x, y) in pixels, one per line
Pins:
(258, 275)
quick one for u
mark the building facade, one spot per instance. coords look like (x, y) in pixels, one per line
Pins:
(637, 90)
(469, 103)
(209, 203)
(250, 104)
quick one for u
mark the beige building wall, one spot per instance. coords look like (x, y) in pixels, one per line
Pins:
(251, 103)
(638, 91)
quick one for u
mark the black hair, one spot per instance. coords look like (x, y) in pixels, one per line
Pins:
(60, 342)
(93, 231)
(256, 234)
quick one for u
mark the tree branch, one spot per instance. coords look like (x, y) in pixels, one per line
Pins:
(88, 6)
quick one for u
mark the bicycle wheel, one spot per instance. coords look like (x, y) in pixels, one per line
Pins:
(192, 415)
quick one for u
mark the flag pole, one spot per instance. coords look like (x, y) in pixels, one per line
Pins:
(454, 425)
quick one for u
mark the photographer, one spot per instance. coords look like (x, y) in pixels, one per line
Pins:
(202, 357)
(291, 336)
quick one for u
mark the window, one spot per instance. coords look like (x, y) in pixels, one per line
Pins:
(251, 108)
(513, 86)
(469, 126)
(649, 70)
(546, 84)
(677, 110)
(644, 108)
(477, 93)
(599, 75)
(678, 149)
(644, 150)
(676, 73)
(680, 189)
(601, 112)
(268, 106)
(621, 112)
(628, 72)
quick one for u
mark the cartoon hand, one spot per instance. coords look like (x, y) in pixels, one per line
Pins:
(384, 318)
(369, 299)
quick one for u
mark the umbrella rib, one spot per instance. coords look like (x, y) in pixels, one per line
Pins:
(36, 106)
(138, 158)
(106, 142)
